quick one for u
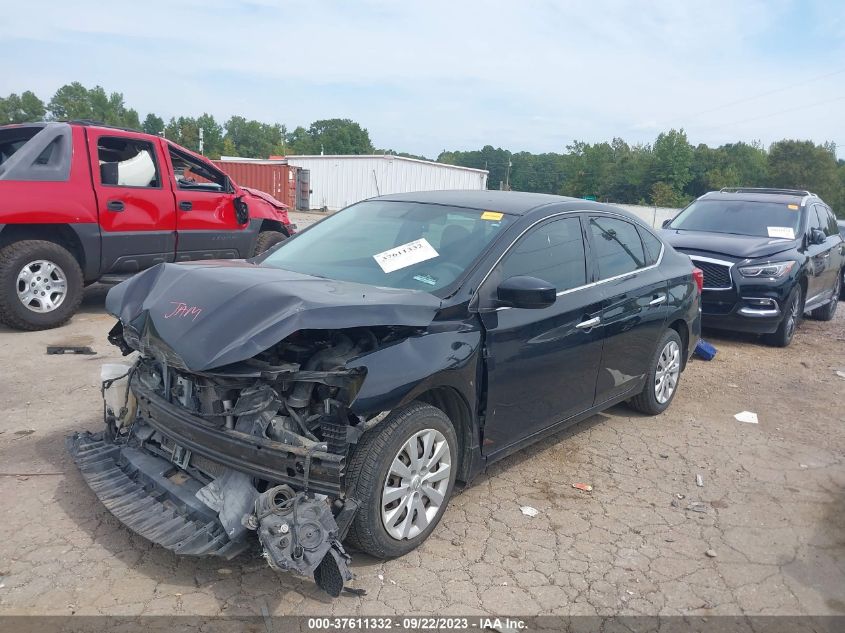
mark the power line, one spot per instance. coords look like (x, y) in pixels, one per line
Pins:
(791, 86)
(767, 116)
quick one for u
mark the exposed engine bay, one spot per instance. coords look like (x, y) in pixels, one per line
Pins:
(196, 461)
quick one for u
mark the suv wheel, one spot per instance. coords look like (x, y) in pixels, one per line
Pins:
(40, 285)
(402, 473)
(663, 376)
(826, 312)
(793, 311)
(267, 240)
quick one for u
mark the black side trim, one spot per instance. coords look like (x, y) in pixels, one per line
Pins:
(89, 236)
(262, 458)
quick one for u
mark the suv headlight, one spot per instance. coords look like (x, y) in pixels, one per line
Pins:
(771, 271)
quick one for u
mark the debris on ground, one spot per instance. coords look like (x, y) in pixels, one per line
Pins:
(381, 577)
(70, 349)
(679, 495)
(840, 373)
(699, 481)
(711, 553)
(697, 506)
(704, 350)
(664, 455)
(456, 542)
(584, 487)
(25, 432)
(746, 416)
(529, 511)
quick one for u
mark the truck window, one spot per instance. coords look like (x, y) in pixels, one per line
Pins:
(194, 175)
(127, 162)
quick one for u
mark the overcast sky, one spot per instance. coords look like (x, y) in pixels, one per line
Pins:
(427, 76)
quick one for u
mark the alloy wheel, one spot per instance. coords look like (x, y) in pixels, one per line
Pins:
(41, 286)
(668, 370)
(794, 314)
(416, 484)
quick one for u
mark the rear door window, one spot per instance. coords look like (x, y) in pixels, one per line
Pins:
(617, 246)
(652, 245)
(127, 162)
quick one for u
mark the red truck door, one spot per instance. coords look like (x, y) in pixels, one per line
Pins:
(134, 202)
(206, 222)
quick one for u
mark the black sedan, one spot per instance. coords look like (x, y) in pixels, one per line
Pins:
(336, 387)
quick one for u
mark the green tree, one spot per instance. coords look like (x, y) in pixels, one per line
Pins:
(75, 101)
(21, 108)
(672, 161)
(253, 139)
(331, 136)
(153, 124)
(805, 165)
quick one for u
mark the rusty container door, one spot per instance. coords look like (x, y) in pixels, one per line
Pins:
(303, 189)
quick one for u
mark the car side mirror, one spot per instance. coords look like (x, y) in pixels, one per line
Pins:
(241, 210)
(817, 236)
(526, 292)
(666, 223)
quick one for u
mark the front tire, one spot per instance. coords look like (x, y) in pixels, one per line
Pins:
(663, 377)
(40, 285)
(402, 472)
(267, 240)
(794, 310)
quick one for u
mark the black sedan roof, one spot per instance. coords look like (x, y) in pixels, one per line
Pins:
(516, 202)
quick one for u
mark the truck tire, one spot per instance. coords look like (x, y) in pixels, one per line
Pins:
(397, 526)
(40, 285)
(267, 240)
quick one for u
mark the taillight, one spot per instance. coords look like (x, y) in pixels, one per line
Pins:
(698, 275)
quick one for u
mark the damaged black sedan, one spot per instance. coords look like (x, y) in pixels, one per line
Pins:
(335, 389)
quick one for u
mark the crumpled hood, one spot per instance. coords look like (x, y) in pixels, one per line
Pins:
(205, 315)
(738, 246)
(266, 197)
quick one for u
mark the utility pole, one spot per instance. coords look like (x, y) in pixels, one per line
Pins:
(508, 176)
(201, 137)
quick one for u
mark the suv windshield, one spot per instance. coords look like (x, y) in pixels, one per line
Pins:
(741, 217)
(394, 244)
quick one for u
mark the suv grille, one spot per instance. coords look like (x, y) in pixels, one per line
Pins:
(716, 276)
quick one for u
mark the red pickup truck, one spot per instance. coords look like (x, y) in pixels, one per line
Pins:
(81, 200)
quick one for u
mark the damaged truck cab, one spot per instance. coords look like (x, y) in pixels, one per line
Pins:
(336, 388)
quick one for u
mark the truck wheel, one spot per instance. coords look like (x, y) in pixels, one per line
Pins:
(402, 473)
(793, 311)
(663, 376)
(40, 285)
(267, 240)
(827, 312)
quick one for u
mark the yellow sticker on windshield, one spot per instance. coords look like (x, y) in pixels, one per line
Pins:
(794, 207)
(492, 215)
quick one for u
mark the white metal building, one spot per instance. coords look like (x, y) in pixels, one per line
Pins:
(338, 181)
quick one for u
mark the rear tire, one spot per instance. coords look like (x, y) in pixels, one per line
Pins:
(371, 474)
(267, 240)
(40, 285)
(664, 376)
(827, 312)
(794, 310)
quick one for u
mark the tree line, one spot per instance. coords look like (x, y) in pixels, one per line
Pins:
(669, 172)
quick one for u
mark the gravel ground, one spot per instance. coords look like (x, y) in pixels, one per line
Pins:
(771, 538)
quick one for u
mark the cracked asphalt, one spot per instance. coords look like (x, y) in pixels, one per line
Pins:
(770, 539)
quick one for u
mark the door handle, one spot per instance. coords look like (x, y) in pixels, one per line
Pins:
(186, 205)
(589, 323)
(657, 300)
(115, 205)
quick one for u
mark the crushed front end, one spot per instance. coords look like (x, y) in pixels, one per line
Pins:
(198, 461)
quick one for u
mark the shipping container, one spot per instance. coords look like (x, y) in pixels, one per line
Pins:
(276, 177)
(334, 182)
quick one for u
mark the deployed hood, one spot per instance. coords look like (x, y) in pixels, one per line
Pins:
(205, 315)
(738, 246)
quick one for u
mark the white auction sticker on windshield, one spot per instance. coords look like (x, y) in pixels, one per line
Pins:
(405, 255)
(781, 231)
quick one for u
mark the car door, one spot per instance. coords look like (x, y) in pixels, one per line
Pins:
(635, 302)
(541, 364)
(819, 254)
(207, 224)
(134, 205)
(836, 259)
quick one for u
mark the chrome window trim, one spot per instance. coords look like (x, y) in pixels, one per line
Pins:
(722, 262)
(585, 286)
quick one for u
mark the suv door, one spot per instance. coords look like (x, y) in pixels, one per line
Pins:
(821, 278)
(541, 363)
(136, 213)
(635, 305)
(207, 225)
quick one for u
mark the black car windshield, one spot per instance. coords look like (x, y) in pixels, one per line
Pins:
(741, 217)
(392, 244)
